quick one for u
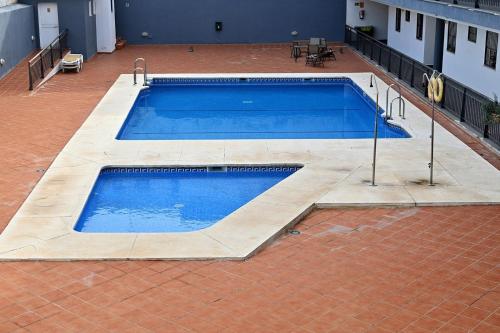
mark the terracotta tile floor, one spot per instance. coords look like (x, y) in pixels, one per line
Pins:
(366, 270)
(373, 270)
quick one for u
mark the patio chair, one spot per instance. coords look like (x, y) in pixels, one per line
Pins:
(319, 58)
(322, 43)
(314, 41)
(315, 59)
(72, 61)
(329, 54)
(317, 45)
(313, 49)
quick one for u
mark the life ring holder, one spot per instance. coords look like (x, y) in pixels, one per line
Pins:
(435, 89)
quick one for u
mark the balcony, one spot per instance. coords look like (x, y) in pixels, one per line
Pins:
(493, 5)
(487, 15)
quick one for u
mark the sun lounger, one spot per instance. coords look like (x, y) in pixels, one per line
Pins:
(72, 61)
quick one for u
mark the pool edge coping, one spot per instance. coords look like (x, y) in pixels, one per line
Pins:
(94, 161)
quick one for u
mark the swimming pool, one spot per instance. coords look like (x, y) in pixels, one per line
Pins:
(253, 108)
(174, 199)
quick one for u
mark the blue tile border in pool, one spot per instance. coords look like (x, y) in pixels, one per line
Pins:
(115, 170)
(212, 81)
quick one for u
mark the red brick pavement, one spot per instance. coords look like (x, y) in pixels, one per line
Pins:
(359, 270)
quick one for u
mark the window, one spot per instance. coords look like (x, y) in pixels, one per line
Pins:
(398, 19)
(407, 16)
(420, 26)
(490, 55)
(472, 35)
(452, 37)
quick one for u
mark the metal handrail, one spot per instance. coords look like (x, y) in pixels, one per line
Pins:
(387, 116)
(401, 100)
(461, 101)
(375, 130)
(477, 4)
(38, 59)
(144, 71)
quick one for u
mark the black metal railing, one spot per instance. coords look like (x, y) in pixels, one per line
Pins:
(483, 4)
(44, 61)
(461, 101)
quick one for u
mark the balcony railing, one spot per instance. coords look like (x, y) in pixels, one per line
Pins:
(462, 102)
(44, 61)
(483, 4)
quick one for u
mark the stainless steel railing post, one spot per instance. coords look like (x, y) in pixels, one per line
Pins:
(375, 130)
(431, 163)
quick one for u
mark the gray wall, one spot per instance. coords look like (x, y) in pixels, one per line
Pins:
(74, 16)
(16, 29)
(244, 21)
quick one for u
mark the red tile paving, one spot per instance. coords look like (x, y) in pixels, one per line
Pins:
(394, 270)
(408, 270)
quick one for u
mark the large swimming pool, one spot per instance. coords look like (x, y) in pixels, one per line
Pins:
(232, 108)
(173, 199)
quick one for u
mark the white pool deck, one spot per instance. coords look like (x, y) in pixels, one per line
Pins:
(336, 173)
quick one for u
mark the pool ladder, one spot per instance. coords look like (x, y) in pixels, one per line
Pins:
(388, 115)
(399, 98)
(143, 69)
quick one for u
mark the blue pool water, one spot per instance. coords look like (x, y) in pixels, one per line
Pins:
(207, 109)
(171, 199)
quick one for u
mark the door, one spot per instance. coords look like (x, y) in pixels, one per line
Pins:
(48, 23)
(105, 25)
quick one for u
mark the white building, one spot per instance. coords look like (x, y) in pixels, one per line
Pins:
(472, 61)
(412, 33)
(459, 41)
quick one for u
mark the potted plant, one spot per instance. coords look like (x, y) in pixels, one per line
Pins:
(492, 109)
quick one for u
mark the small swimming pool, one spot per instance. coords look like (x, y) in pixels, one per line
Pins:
(148, 200)
(253, 108)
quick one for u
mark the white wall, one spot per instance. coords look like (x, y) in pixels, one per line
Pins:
(466, 65)
(406, 42)
(375, 15)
